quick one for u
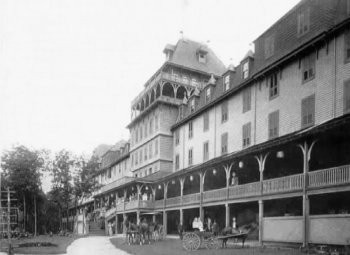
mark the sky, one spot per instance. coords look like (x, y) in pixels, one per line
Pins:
(69, 69)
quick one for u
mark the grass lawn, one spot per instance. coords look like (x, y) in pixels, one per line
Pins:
(174, 247)
(61, 243)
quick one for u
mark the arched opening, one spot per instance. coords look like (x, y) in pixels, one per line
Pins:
(152, 98)
(215, 179)
(181, 92)
(191, 184)
(159, 194)
(158, 91)
(244, 170)
(147, 101)
(146, 192)
(174, 188)
(168, 90)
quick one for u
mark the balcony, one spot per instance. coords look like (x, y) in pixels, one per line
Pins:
(215, 195)
(174, 201)
(329, 177)
(284, 184)
(110, 212)
(182, 80)
(245, 190)
(191, 198)
(159, 204)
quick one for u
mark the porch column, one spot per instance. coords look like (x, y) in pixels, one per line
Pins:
(138, 216)
(106, 227)
(124, 227)
(306, 150)
(165, 193)
(261, 217)
(181, 216)
(154, 218)
(182, 181)
(116, 224)
(227, 215)
(201, 189)
(228, 171)
(165, 223)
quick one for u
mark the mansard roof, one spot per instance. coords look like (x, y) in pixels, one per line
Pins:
(186, 55)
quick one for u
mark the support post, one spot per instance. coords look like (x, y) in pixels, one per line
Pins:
(116, 224)
(261, 217)
(165, 223)
(306, 150)
(138, 217)
(227, 215)
(181, 216)
(201, 189)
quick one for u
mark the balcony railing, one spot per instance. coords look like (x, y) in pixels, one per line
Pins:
(110, 212)
(173, 201)
(131, 205)
(159, 204)
(146, 204)
(284, 184)
(120, 207)
(191, 198)
(215, 195)
(330, 176)
(245, 190)
(183, 80)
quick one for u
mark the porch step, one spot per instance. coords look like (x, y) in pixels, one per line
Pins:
(95, 229)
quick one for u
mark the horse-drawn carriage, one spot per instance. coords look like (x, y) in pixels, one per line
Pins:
(143, 232)
(193, 240)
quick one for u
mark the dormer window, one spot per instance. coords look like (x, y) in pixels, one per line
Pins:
(227, 82)
(245, 70)
(202, 55)
(168, 55)
(201, 58)
(192, 105)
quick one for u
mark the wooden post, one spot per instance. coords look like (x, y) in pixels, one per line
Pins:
(165, 223)
(227, 215)
(306, 150)
(201, 190)
(181, 216)
(261, 217)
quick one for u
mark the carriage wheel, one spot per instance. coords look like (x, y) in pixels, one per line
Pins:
(191, 241)
(212, 243)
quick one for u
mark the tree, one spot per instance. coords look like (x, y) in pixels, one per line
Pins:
(62, 172)
(22, 170)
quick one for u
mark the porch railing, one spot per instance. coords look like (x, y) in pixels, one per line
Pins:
(215, 195)
(131, 205)
(191, 198)
(173, 201)
(159, 204)
(330, 176)
(245, 190)
(110, 212)
(283, 184)
(146, 204)
(120, 207)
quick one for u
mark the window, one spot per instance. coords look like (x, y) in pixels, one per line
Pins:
(151, 127)
(246, 99)
(137, 135)
(140, 156)
(205, 151)
(309, 67)
(177, 162)
(132, 159)
(205, 121)
(227, 82)
(177, 137)
(109, 173)
(207, 95)
(190, 130)
(192, 106)
(150, 170)
(156, 124)
(347, 96)
(156, 147)
(140, 133)
(224, 112)
(308, 111)
(146, 152)
(246, 132)
(150, 150)
(201, 57)
(145, 131)
(224, 138)
(347, 46)
(190, 157)
(269, 46)
(245, 70)
(273, 86)
(273, 124)
(303, 21)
